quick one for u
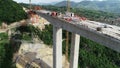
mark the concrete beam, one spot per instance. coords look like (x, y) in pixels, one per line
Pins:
(105, 40)
(57, 47)
(74, 50)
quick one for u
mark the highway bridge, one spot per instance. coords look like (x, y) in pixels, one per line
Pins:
(108, 36)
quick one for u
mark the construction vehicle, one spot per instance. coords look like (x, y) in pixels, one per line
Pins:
(54, 13)
(37, 8)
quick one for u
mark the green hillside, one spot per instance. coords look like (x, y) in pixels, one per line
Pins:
(10, 11)
(63, 3)
(106, 5)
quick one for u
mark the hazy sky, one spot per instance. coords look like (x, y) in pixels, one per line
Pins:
(42, 1)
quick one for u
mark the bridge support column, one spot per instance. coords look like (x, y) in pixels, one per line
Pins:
(74, 51)
(57, 47)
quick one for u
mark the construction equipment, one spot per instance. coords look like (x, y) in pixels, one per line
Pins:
(30, 4)
(54, 13)
(68, 5)
(37, 8)
(67, 35)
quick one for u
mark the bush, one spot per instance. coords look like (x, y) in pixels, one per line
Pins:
(10, 11)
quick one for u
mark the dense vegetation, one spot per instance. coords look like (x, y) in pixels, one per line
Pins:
(25, 5)
(35, 32)
(26, 33)
(10, 11)
(105, 5)
(6, 52)
(3, 39)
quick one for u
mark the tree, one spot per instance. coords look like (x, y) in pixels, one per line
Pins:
(10, 11)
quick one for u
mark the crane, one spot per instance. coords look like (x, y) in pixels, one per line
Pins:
(67, 36)
(30, 4)
(68, 5)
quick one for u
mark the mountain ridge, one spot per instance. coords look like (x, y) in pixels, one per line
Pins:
(107, 6)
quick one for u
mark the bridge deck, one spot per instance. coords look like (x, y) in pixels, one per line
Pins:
(108, 36)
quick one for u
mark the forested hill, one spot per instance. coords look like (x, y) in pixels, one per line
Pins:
(107, 5)
(10, 11)
(63, 3)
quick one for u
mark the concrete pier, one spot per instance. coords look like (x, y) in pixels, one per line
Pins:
(57, 47)
(74, 50)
